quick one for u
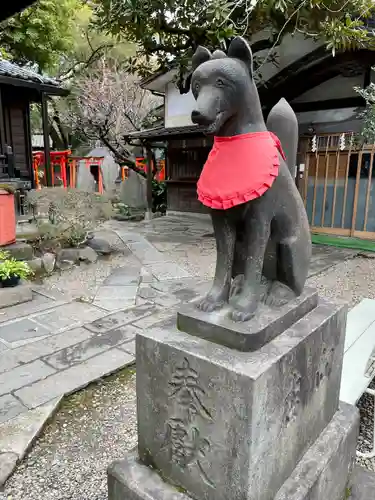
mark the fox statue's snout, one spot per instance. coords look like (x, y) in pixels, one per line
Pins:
(211, 102)
(202, 117)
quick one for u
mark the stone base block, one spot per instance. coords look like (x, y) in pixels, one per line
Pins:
(325, 471)
(17, 295)
(322, 473)
(250, 335)
(226, 424)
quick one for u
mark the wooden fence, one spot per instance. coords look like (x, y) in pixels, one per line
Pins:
(337, 183)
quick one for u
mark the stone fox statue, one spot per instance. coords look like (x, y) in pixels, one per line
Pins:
(259, 219)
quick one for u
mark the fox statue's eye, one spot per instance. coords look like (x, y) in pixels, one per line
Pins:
(220, 82)
(196, 87)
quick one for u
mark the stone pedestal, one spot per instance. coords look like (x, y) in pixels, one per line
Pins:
(215, 423)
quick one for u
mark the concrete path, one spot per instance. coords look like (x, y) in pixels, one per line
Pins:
(53, 346)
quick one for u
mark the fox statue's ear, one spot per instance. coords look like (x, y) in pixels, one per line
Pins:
(240, 49)
(218, 54)
(201, 55)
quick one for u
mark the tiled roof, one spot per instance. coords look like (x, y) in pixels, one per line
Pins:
(11, 8)
(165, 133)
(14, 71)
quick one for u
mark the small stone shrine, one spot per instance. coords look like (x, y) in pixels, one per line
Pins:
(240, 401)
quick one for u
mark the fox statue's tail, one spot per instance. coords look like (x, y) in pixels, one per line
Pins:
(282, 121)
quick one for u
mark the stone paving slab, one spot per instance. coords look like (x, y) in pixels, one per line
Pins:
(37, 304)
(23, 375)
(91, 347)
(120, 318)
(116, 297)
(68, 316)
(146, 252)
(18, 434)
(167, 270)
(8, 462)
(117, 292)
(10, 407)
(160, 315)
(123, 276)
(112, 305)
(51, 293)
(74, 378)
(50, 345)
(16, 295)
(128, 347)
(24, 329)
(156, 296)
(8, 360)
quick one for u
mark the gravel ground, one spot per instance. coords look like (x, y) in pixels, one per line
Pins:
(366, 432)
(198, 259)
(350, 281)
(85, 280)
(98, 424)
(92, 428)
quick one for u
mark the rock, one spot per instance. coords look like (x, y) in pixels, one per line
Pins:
(20, 251)
(100, 245)
(87, 254)
(69, 254)
(110, 172)
(64, 265)
(49, 260)
(137, 217)
(36, 264)
(133, 192)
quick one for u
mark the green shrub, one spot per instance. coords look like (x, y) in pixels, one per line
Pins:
(4, 255)
(13, 267)
(72, 215)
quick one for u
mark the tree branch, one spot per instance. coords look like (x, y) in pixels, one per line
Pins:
(82, 65)
(172, 30)
(122, 159)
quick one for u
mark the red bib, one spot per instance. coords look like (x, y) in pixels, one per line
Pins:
(239, 169)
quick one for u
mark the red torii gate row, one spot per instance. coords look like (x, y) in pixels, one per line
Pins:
(64, 166)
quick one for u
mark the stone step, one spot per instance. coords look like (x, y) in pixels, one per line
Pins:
(16, 295)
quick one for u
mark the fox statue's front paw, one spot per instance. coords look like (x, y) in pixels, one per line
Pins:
(279, 295)
(214, 300)
(243, 307)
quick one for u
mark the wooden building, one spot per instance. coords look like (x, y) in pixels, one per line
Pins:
(320, 89)
(19, 87)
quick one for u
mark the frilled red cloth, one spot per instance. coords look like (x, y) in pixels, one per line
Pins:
(239, 169)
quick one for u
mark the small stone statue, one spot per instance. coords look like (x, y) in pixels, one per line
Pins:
(260, 223)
